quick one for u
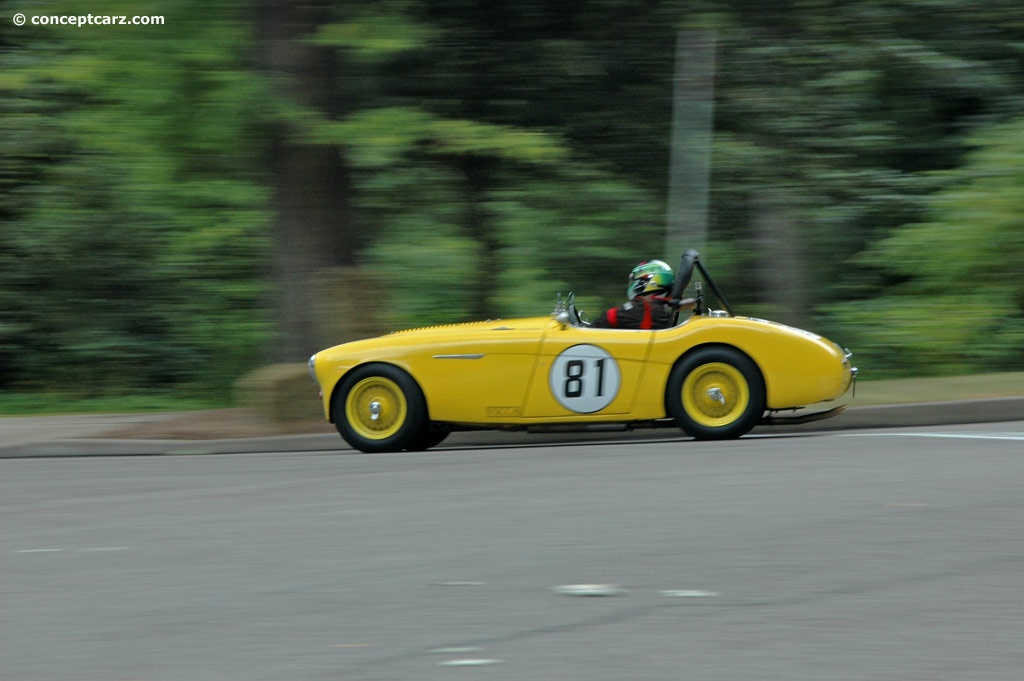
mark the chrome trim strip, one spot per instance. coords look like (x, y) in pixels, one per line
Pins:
(458, 356)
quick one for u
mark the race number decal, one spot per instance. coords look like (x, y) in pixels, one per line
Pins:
(584, 378)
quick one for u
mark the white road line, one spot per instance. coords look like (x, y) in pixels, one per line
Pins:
(1008, 437)
(588, 590)
(90, 549)
(688, 593)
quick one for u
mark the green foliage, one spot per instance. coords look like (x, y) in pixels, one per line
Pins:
(572, 229)
(375, 32)
(379, 138)
(134, 220)
(956, 302)
(497, 153)
(498, 193)
(842, 110)
(455, 250)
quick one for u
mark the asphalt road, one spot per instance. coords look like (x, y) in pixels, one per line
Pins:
(853, 555)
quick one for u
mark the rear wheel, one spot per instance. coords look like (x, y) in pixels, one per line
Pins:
(715, 393)
(379, 408)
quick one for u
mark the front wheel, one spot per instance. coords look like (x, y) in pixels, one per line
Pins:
(430, 435)
(379, 408)
(715, 393)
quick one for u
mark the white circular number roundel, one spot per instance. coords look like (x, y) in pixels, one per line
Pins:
(584, 378)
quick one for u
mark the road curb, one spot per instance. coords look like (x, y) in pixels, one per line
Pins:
(888, 416)
(929, 414)
(74, 447)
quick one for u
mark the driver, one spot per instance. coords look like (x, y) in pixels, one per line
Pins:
(647, 308)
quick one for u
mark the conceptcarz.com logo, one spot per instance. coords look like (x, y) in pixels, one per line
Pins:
(86, 20)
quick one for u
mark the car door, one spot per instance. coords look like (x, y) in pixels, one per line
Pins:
(587, 372)
(481, 376)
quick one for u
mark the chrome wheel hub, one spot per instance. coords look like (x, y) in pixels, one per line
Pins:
(716, 395)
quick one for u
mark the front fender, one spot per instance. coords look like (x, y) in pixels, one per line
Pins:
(799, 367)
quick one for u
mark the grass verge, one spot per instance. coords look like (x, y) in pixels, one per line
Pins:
(938, 389)
(41, 404)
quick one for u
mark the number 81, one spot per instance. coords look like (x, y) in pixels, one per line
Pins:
(574, 373)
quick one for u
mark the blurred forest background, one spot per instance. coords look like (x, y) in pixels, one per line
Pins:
(256, 179)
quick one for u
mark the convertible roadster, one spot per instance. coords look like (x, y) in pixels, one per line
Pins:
(712, 374)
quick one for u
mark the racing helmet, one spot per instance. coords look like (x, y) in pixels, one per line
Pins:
(650, 276)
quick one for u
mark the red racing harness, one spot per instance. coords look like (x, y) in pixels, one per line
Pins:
(646, 323)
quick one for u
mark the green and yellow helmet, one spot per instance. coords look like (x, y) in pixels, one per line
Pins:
(650, 276)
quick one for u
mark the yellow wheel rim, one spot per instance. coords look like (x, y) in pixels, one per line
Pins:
(376, 408)
(715, 394)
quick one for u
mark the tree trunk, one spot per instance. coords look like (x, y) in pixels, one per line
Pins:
(780, 265)
(313, 225)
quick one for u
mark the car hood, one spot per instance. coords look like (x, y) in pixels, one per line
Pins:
(440, 335)
(536, 323)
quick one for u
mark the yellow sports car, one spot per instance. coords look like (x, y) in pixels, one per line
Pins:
(712, 374)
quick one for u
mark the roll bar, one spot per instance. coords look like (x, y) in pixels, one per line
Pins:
(689, 262)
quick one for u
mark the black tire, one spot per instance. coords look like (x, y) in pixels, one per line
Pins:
(379, 408)
(715, 393)
(431, 435)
